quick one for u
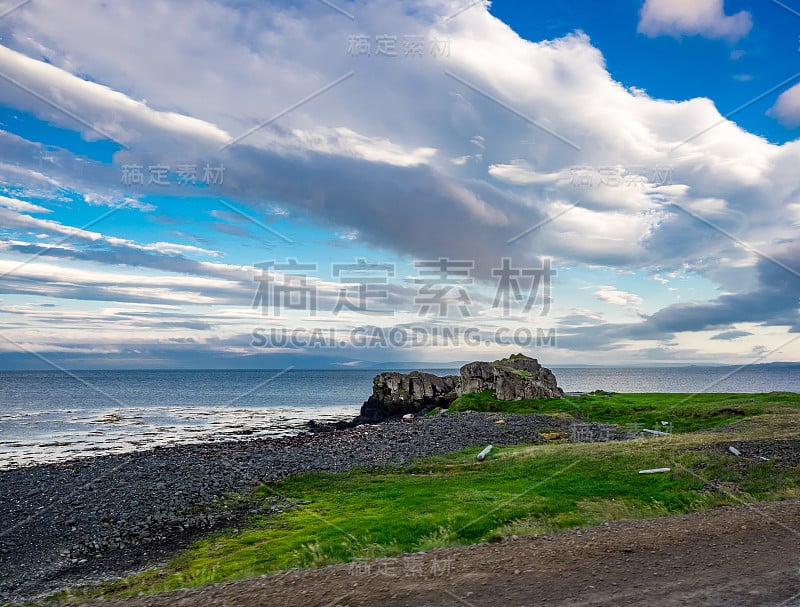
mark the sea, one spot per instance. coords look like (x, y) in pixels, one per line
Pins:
(52, 416)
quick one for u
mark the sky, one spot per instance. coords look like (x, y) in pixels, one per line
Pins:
(337, 184)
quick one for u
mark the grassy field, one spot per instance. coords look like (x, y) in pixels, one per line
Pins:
(687, 412)
(453, 499)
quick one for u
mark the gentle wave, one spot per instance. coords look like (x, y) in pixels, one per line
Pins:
(41, 438)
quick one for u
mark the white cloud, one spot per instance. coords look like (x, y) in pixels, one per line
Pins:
(21, 206)
(787, 107)
(94, 109)
(693, 18)
(316, 156)
(615, 296)
(12, 219)
(376, 157)
(346, 142)
(519, 172)
(95, 198)
(581, 317)
(25, 174)
(574, 98)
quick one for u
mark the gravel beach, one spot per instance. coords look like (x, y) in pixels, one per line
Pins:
(98, 518)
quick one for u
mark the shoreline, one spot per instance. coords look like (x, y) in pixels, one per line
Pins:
(106, 516)
(113, 432)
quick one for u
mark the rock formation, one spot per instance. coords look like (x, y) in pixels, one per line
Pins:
(514, 378)
(396, 394)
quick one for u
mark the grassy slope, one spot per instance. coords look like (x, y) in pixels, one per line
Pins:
(452, 499)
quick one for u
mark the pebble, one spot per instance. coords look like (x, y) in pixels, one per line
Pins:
(137, 508)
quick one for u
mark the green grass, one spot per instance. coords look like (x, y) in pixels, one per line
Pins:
(519, 372)
(451, 499)
(687, 412)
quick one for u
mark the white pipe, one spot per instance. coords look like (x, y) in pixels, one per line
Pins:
(482, 455)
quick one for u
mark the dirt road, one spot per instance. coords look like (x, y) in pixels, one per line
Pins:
(732, 557)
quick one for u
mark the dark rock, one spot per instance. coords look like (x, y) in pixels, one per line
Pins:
(315, 427)
(397, 394)
(514, 378)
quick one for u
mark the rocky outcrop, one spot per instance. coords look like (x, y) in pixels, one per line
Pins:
(397, 394)
(512, 378)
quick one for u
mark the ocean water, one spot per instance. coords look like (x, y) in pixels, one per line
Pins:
(50, 416)
(763, 378)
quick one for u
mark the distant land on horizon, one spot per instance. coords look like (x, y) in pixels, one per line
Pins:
(313, 364)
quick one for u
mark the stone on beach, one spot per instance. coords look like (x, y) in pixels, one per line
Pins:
(94, 518)
(514, 378)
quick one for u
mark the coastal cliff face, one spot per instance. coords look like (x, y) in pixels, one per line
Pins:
(395, 394)
(514, 378)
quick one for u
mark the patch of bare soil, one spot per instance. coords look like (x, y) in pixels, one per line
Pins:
(731, 557)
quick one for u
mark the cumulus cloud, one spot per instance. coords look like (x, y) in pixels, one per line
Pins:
(318, 155)
(787, 107)
(343, 141)
(450, 172)
(693, 18)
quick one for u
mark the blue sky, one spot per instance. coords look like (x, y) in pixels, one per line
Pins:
(154, 160)
(730, 72)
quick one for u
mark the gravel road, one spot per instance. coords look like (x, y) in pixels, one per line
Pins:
(730, 557)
